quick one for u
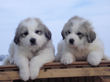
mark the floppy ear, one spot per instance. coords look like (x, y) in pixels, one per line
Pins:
(46, 31)
(17, 37)
(63, 34)
(91, 36)
(48, 34)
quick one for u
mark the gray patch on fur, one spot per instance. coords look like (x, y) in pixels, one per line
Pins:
(45, 30)
(20, 29)
(67, 27)
(87, 30)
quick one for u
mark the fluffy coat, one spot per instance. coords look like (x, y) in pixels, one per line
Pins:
(80, 42)
(31, 48)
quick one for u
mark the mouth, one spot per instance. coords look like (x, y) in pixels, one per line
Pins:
(72, 46)
(33, 48)
(33, 44)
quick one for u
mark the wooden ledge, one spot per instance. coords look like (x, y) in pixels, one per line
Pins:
(56, 70)
(59, 65)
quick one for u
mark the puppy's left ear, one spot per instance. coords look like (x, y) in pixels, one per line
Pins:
(63, 34)
(91, 36)
(48, 34)
(17, 36)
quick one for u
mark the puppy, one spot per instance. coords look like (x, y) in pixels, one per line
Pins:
(31, 48)
(80, 42)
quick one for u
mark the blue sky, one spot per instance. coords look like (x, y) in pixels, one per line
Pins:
(54, 13)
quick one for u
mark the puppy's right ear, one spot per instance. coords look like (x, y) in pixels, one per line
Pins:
(63, 34)
(17, 37)
(48, 33)
(91, 36)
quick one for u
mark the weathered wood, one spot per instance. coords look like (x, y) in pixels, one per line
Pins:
(57, 70)
(55, 73)
(58, 65)
(75, 72)
(9, 75)
(6, 81)
(105, 79)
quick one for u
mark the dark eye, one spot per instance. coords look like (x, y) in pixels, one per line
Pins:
(24, 34)
(38, 32)
(68, 32)
(79, 33)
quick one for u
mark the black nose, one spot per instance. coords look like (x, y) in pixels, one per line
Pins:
(71, 41)
(33, 41)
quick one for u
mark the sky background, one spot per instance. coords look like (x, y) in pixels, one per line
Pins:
(53, 13)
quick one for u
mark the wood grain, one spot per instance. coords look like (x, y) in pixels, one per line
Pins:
(55, 73)
(57, 70)
(58, 65)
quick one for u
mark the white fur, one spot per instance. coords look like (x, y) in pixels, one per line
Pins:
(30, 58)
(81, 50)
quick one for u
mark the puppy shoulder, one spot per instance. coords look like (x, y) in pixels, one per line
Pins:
(12, 48)
(50, 45)
(6, 61)
(9, 58)
(49, 48)
(97, 45)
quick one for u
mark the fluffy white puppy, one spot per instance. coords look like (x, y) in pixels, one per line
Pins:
(79, 42)
(31, 49)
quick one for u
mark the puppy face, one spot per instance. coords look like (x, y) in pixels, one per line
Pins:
(31, 33)
(78, 32)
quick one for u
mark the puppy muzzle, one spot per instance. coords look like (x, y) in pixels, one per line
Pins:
(71, 41)
(33, 41)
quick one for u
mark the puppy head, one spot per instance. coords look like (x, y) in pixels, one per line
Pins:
(32, 33)
(78, 32)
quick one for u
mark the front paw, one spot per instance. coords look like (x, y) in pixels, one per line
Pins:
(66, 59)
(34, 70)
(94, 59)
(24, 74)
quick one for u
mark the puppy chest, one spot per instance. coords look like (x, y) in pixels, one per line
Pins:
(31, 55)
(81, 54)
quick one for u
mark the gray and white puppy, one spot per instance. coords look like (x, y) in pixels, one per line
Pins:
(80, 42)
(31, 48)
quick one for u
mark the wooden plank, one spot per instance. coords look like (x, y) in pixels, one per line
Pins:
(9, 75)
(105, 79)
(58, 80)
(57, 65)
(10, 72)
(38, 80)
(97, 79)
(75, 72)
(66, 79)
(6, 81)
(44, 80)
(55, 73)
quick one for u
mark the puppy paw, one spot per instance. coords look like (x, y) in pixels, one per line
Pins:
(34, 73)
(94, 59)
(34, 70)
(67, 59)
(24, 74)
